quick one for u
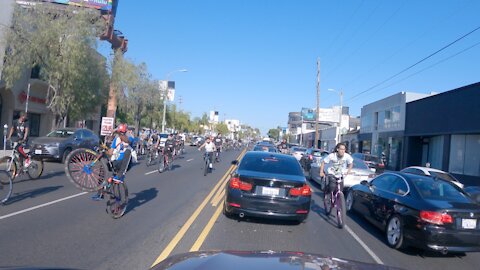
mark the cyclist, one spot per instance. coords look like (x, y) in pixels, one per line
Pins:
(169, 148)
(120, 153)
(19, 131)
(283, 147)
(210, 148)
(339, 160)
(218, 144)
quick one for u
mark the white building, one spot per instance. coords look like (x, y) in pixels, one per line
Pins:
(233, 127)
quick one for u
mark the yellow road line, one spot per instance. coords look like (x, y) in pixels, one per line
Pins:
(166, 252)
(217, 200)
(196, 246)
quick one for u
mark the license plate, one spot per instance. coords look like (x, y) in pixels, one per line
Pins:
(38, 151)
(468, 223)
(270, 191)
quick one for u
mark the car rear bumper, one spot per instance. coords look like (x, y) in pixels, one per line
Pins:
(440, 239)
(275, 208)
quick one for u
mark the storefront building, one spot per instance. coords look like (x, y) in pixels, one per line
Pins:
(444, 131)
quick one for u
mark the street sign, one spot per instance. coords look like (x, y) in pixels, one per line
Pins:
(107, 126)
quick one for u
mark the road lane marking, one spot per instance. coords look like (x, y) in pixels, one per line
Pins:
(217, 200)
(372, 254)
(41, 205)
(188, 160)
(196, 246)
(181, 233)
(151, 172)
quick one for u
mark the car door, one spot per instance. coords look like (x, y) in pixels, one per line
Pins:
(389, 199)
(377, 199)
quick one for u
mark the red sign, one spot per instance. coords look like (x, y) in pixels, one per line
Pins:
(23, 97)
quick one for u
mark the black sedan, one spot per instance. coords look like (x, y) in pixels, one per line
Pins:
(270, 185)
(59, 143)
(425, 212)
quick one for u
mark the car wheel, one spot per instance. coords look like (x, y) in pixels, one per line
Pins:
(394, 232)
(349, 201)
(65, 154)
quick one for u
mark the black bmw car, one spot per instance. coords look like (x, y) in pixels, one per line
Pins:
(270, 185)
(425, 212)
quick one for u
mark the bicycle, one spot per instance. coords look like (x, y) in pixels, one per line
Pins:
(151, 155)
(165, 162)
(217, 155)
(6, 186)
(87, 169)
(333, 197)
(12, 164)
(208, 163)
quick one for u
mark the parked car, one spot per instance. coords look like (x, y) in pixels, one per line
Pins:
(312, 155)
(269, 185)
(196, 141)
(59, 143)
(373, 162)
(432, 172)
(360, 172)
(163, 139)
(414, 210)
(298, 152)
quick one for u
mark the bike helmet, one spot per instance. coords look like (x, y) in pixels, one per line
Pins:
(122, 128)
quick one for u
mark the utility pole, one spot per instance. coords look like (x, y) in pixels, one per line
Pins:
(318, 104)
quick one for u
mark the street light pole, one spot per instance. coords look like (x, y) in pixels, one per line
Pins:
(165, 96)
(340, 114)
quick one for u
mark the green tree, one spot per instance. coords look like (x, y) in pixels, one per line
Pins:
(62, 42)
(222, 128)
(273, 133)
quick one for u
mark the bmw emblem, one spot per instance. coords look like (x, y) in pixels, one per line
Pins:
(471, 214)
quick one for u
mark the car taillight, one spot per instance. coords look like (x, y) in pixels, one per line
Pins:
(235, 183)
(310, 157)
(371, 175)
(435, 217)
(301, 191)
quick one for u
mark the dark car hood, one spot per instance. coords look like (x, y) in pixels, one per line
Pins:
(47, 140)
(255, 174)
(454, 205)
(252, 260)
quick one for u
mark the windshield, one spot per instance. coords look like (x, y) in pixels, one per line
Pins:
(61, 133)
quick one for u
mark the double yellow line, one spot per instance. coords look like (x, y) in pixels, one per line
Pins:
(219, 192)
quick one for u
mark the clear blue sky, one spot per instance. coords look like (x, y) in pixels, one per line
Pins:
(256, 60)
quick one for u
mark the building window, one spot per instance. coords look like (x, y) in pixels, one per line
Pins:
(464, 158)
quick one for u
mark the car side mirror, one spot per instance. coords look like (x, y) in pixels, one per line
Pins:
(365, 183)
(235, 162)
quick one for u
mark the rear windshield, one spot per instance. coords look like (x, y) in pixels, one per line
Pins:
(440, 190)
(360, 164)
(271, 164)
(61, 133)
(264, 148)
(299, 149)
(444, 176)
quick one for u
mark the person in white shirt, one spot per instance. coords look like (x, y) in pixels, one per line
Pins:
(340, 160)
(210, 148)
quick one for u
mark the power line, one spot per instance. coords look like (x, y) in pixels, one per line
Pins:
(435, 64)
(418, 62)
(422, 35)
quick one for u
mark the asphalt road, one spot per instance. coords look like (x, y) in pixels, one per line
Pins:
(49, 223)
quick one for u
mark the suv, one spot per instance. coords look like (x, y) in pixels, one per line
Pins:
(373, 162)
(312, 155)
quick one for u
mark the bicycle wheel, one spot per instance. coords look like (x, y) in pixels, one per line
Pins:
(5, 186)
(35, 169)
(149, 158)
(4, 163)
(118, 200)
(327, 202)
(340, 204)
(84, 171)
(161, 164)
(205, 171)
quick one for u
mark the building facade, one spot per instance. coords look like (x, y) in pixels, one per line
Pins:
(444, 131)
(382, 128)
